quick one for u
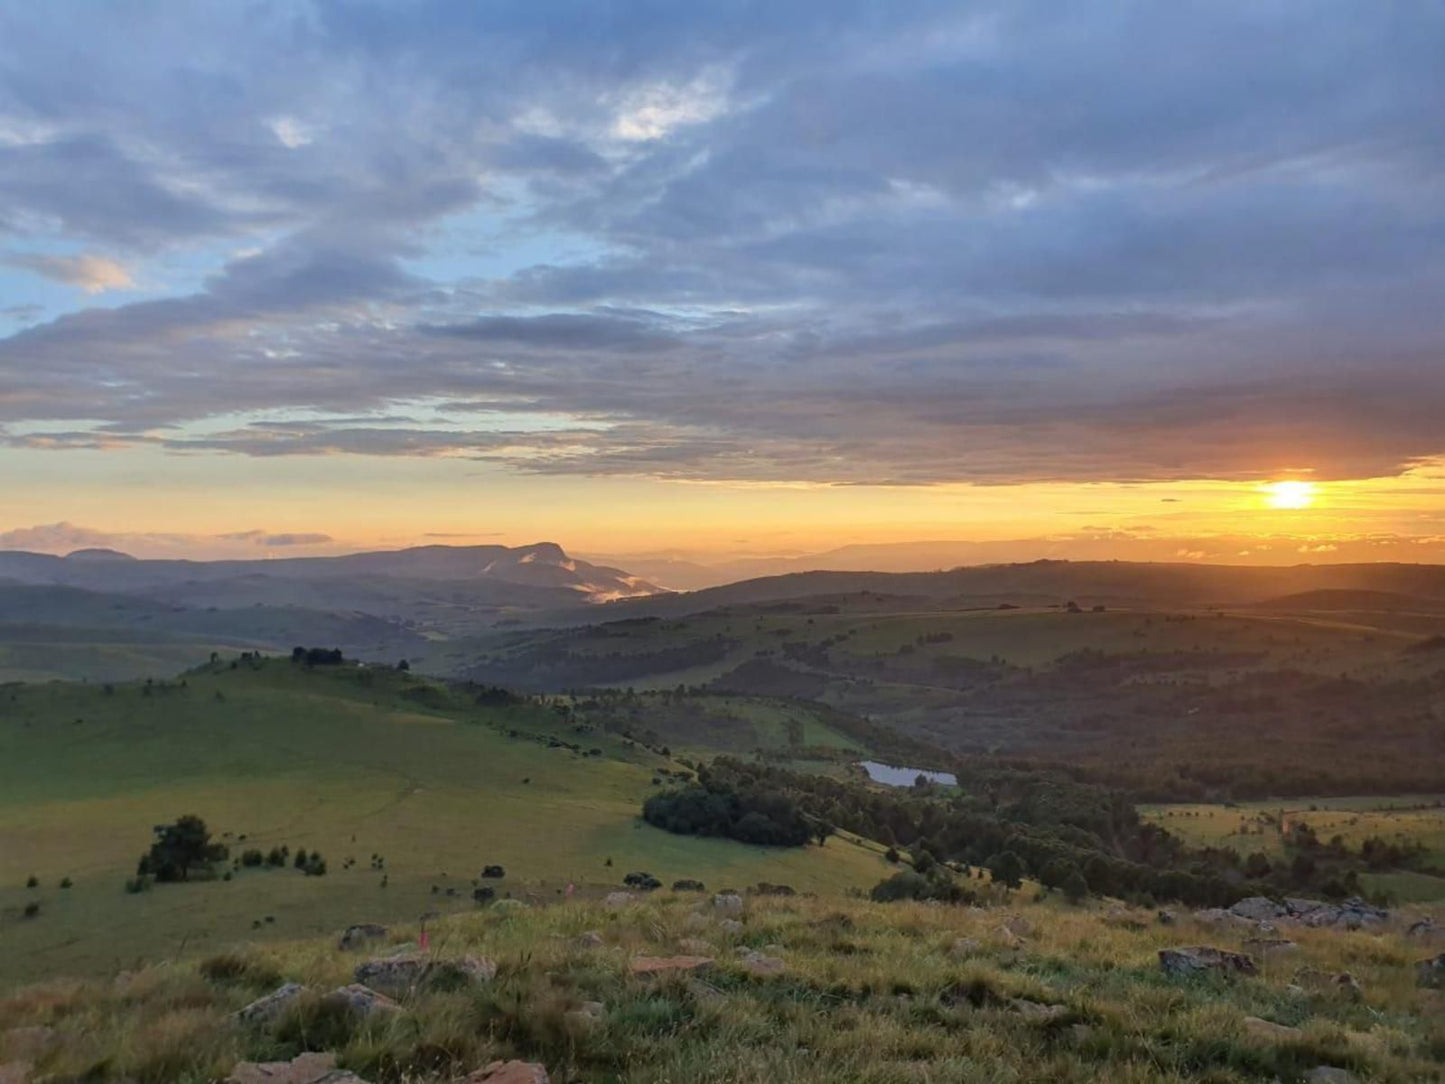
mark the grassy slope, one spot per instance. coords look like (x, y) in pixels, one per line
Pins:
(321, 761)
(868, 993)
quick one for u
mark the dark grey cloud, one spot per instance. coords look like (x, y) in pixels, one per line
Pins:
(846, 242)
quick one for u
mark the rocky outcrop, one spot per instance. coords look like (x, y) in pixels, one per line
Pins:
(265, 1010)
(1353, 914)
(1269, 946)
(616, 900)
(397, 976)
(758, 964)
(1198, 959)
(728, 903)
(363, 1000)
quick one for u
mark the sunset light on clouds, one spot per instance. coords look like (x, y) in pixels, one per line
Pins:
(308, 277)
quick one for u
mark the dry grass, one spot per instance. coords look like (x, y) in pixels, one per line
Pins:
(869, 993)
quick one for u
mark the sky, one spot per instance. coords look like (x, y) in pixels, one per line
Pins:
(724, 279)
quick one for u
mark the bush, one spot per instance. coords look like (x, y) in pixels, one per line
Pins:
(276, 856)
(911, 885)
(251, 859)
(687, 885)
(493, 871)
(765, 889)
(66, 882)
(32, 881)
(485, 894)
(645, 881)
(32, 909)
(137, 884)
(301, 859)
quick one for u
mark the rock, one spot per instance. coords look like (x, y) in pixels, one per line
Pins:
(363, 1001)
(510, 1072)
(1018, 925)
(584, 1019)
(1200, 958)
(1037, 1010)
(1431, 972)
(15, 1072)
(394, 976)
(1258, 909)
(1328, 1074)
(617, 900)
(1348, 985)
(309, 1068)
(28, 1044)
(1009, 938)
(758, 964)
(1422, 930)
(590, 939)
(696, 921)
(655, 965)
(965, 948)
(688, 885)
(1269, 946)
(695, 946)
(1217, 916)
(354, 937)
(730, 925)
(728, 903)
(266, 1009)
(1258, 1028)
(1166, 918)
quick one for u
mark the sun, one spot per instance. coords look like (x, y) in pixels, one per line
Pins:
(1289, 494)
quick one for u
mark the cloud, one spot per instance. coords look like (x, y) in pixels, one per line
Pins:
(829, 243)
(93, 274)
(63, 537)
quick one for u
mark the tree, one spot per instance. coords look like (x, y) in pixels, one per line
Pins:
(1007, 869)
(1075, 887)
(179, 848)
(403, 666)
(823, 830)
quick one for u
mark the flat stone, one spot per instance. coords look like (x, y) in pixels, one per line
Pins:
(760, 965)
(1260, 1028)
(510, 1072)
(1037, 1010)
(655, 965)
(354, 937)
(266, 1009)
(363, 1000)
(1269, 946)
(311, 1068)
(394, 976)
(1201, 958)
(1258, 909)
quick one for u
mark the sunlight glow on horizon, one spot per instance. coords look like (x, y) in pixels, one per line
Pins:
(1290, 494)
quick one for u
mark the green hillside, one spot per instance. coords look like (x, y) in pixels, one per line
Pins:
(349, 761)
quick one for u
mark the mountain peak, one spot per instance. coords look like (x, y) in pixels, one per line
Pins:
(98, 553)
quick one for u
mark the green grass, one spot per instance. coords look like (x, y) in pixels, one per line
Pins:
(348, 762)
(867, 993)
(1254, 826)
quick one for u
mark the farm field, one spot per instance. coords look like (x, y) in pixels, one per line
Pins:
(350, 762)
(1249, 827)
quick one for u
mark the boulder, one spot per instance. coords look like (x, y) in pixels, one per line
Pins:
(396, 976)
(1431, 972)
(1218, 916)
(1258, 1028)
(311, 1068)
(1258, 909)
(1200, 958)
(266, 1009)
(363, 1001)
(510, 1072)
(728, 903)
(354, 937)
(1018, 925)
(730, 925)
(584, 1019)
(590, 939)
(1166, 917)
(656, 965)
(616, 900)
(1423, 930)
(1329, 1074)
(695, 946)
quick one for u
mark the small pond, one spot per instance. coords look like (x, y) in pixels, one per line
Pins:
(904, 777)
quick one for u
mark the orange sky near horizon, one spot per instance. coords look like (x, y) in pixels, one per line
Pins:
(386, 502)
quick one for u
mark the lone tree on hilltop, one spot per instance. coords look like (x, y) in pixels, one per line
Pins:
(180, 848)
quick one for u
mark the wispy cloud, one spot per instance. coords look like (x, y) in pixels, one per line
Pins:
(93, 274)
